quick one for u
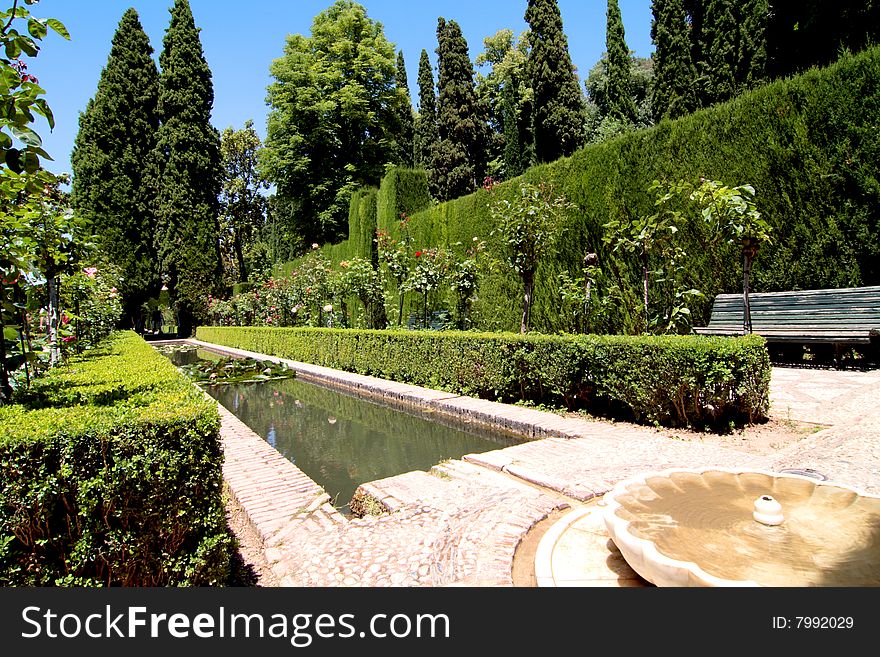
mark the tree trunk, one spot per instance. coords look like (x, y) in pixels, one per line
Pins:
(239, 257)
(400, 305)
(54, 321)
(25, 345)
(5, 388)
(645, 294)
(528, 286)
(185, 322)
(747, 311)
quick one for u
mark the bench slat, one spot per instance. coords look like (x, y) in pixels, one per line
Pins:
(847, 315)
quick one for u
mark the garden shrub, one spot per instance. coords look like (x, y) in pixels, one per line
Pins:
(671, 380)
(110, 474)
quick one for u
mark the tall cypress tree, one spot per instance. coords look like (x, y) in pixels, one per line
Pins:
(619, 88)
(752, 56)
(718, 68)
(407, 121)
(674, 94)
(558, 113)
(458, 160)
(695, 10)
(190, 172)
(514, 156)
(114, 183)
(426, 122)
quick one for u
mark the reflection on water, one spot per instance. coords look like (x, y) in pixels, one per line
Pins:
(341, 441)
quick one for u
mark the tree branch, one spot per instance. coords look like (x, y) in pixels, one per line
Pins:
(11, 18)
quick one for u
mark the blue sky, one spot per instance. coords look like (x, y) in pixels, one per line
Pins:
(240, 39)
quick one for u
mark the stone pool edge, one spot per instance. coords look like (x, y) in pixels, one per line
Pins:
(527, 423)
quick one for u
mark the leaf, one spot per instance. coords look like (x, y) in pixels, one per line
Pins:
(27, 136)
(27, 45)
(37, 28)
(31, 161)
(13, 160)
(42, 108)
(58, 27)
(13, 50)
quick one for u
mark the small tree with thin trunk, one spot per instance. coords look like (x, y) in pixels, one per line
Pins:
(652, 239)
(733, 217)
(528, 225)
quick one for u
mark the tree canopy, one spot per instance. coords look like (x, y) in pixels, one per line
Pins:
(558, 118)
(426, 121)
(188, 152)
(114, 176)
(243, 207)
(458, 162)
(333, 121)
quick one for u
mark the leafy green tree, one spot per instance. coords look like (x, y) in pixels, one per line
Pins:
(114, 175)
(601, 125)
(733, 48)
(507, 94)
(463, 274)
(618, 90)
(333, 122)
(426, 275)
(20, 91)
(674, 94)
(188, 152)
(242, 203)
(459, 159)
(394, 255)
(406, 120)
(360, 279)
(652, 239)
(732, 214)
(426, 135)
(558, 117)
(528, 229)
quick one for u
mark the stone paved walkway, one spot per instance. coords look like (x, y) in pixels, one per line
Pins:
(460, 523)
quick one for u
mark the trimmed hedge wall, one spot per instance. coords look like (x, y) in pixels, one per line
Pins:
(808, 144)
(110, 474)
(672, 380)
(403, 191)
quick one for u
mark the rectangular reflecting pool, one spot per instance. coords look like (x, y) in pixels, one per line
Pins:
(341, 440)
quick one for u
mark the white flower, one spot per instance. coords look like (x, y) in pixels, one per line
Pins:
(328, 308)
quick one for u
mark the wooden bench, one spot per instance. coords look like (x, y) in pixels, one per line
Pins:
(839, 319)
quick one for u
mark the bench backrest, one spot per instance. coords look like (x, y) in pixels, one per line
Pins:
(834, 309)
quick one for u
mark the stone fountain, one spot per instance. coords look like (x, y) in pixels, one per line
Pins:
(722, 527)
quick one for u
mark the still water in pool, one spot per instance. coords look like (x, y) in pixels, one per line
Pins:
(342, 441)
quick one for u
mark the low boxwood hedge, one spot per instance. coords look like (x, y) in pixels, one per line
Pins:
(110, 474)
(671, 380)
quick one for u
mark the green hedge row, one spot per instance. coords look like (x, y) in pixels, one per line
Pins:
(808, 144)
(402, 191)
(110, 474)
(672, 380)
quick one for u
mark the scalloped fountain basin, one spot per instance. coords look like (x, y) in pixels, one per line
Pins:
(697, 528)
